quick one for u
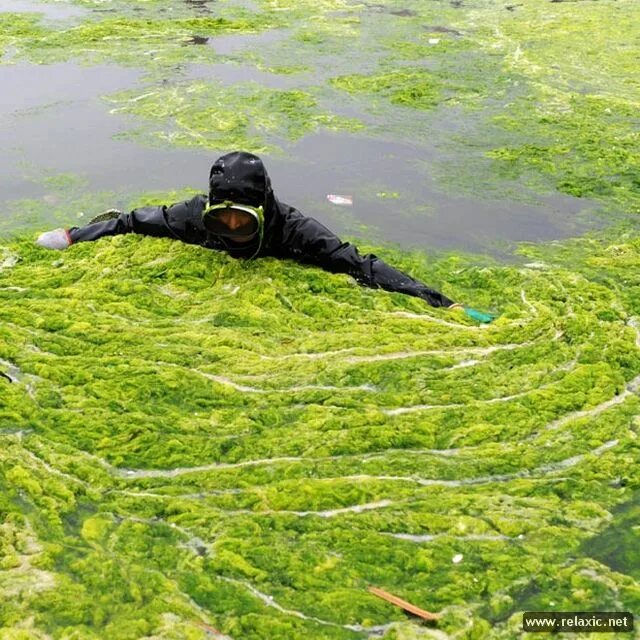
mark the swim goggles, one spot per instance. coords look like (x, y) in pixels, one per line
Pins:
(247, 222)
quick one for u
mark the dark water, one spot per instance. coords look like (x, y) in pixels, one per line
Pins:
(53, 120)
(618, 546)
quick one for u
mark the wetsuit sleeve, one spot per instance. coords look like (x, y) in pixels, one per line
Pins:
(180, 221)
(149, 221)
(307, 240)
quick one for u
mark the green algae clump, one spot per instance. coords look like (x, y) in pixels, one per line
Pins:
(206, 114)
(192, 439)
(416, 88)
(147, 40)
(191, 442)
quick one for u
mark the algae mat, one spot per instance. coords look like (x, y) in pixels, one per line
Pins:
(189, 441)
(192, 447)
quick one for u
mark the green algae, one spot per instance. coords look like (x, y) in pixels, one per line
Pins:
(407, 87)
(589, 145)
(207, 114)
(164, 42)
(579, 117)
(15, 28)
(147, 41)
(146, 36)
(192, 439)
(388, 195)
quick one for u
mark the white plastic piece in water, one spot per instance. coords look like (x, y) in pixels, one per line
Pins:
(434, 40)
(457, 559)
(343, 201)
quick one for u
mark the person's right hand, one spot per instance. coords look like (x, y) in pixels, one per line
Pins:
(56, 239)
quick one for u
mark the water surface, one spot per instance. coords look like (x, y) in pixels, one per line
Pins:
(54, 120)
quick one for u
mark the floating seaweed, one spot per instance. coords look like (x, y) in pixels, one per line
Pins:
(193, 443)
(184, 445)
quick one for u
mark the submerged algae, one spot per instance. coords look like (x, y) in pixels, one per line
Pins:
(247, 116)
(618, 545)
(549, 100)
(416, 88)
(577, 125)
(150, 40)
(589, 145)
(220, 441)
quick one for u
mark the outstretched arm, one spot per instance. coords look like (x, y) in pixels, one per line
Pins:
(160, 222)
(307, 240)
(149, 221)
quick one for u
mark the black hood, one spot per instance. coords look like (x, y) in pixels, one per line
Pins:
(242, 177)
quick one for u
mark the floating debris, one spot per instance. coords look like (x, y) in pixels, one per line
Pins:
(198, 40)
(342, 201)
(403, 604)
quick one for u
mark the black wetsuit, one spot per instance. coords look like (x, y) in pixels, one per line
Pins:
(242, 177)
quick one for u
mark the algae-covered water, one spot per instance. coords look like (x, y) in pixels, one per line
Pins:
(395, 110)
(193, 447)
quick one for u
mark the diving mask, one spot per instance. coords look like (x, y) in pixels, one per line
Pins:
(235, 221)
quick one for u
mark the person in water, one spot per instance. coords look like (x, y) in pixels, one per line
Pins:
(242, 216)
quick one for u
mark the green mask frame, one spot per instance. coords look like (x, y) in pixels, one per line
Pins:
(211, 219)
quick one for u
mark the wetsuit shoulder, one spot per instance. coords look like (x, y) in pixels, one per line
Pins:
(185, 218)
